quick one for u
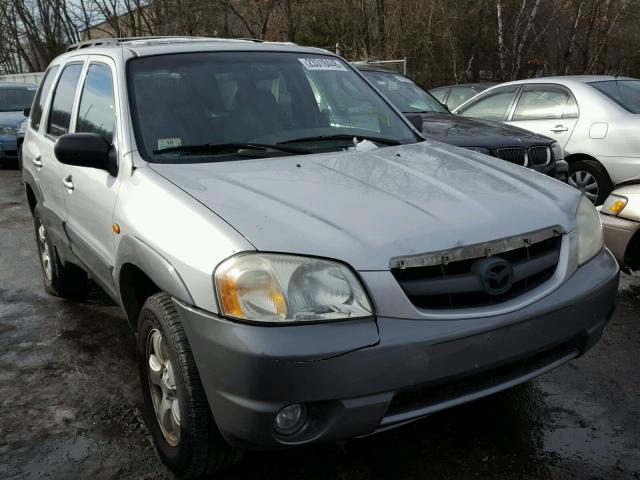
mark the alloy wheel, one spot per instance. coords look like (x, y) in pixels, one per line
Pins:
(162, 386)
(586, 183)
(45, 253)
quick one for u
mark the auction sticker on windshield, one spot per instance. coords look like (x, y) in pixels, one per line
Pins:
(322, 64)
(164, 143)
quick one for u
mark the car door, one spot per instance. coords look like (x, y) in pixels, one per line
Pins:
(91, 193)
(491, 105)
(547, 109)
(46, 128)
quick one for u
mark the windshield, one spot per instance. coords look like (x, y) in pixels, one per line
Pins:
(16, 99)
(403, 93)
(240, 103)
(625, 93)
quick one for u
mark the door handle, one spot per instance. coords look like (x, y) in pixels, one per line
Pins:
(559, 129)
(68, 183)
(37, 161)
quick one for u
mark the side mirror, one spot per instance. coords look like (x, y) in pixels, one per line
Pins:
(86, 150)
(27, 111)
(416, 120)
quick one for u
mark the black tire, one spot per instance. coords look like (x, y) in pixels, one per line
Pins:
(66, 281)
(20, 157)
(200, 448)
(579, 170)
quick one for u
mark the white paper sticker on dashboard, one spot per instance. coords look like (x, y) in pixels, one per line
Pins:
(330, 64)
(164, 143)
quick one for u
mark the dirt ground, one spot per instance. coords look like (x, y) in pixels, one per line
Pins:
(70, 400)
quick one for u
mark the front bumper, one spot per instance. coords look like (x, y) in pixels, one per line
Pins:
(618, 232)
(8, 148)
(362, 376)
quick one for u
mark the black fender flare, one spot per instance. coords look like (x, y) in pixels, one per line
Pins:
(136, 252)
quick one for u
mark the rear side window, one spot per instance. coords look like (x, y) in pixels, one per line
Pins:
(439, 94)
(41, 97)
(459, 95)
(96, 113)
(625, 93)
(62, 104)
(545, 102)
(492, 106)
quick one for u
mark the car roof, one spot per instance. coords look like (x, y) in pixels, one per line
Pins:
(569, 79)
(147, 46)
(468, 84)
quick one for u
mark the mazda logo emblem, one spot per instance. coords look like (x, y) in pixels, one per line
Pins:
(495, 274)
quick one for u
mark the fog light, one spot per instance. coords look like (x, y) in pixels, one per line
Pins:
(290, 419)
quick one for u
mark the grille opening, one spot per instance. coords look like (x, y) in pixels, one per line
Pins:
(539, 156)
(436, 273)
(513, 155)
(454, 388)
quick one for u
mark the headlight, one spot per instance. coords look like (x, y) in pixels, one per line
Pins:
(614, 204)
(268, 287)
(589, 228)
(479, 150)
(558, 152)
(8, 130)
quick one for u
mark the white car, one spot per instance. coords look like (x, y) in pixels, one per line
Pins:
(595, 118)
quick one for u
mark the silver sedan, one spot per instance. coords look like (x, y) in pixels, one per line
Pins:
(620, 215)
(595, 118)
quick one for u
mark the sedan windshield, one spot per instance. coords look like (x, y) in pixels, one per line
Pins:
(16, 99)
(237, 105)
(403, 93)
(625, 93)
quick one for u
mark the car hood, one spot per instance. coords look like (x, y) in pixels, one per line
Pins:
(367, 207)
(11, 119)
(473, 132)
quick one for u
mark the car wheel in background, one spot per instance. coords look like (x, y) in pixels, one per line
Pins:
(67, 281)
(176, 408)
(20, 157)
(591, 179)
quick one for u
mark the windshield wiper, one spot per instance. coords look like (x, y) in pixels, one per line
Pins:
(229, 147)
(321, 138)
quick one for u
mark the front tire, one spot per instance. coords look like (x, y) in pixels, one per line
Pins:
(176, 408)
(66, 281)
(591, 178)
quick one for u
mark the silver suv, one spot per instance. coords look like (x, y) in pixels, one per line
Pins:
(298, 264)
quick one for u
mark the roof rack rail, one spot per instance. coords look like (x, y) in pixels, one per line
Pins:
(120, 40)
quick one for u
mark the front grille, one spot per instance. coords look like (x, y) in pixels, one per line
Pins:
(459, 283)
(532, 157)
(538, 156)
(513, 155)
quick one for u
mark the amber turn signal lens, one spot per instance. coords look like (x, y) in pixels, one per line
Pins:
(617, 206)
(116, 228)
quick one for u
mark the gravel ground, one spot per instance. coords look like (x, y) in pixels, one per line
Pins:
(71, 401)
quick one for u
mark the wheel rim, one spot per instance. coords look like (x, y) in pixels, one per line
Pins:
(586, 183)
(162, 387)
(45, 253)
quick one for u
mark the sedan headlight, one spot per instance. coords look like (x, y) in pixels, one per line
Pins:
(589, 228)
(558, 152)
(8, 130)
(614, 204)
(267, 287)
